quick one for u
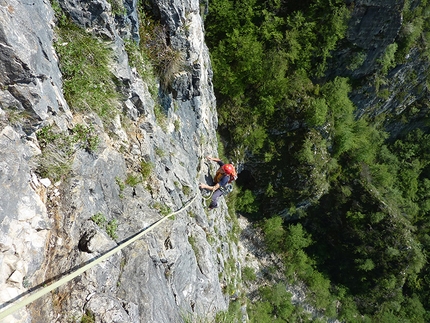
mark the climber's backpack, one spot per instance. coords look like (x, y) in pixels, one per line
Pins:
(220, 173)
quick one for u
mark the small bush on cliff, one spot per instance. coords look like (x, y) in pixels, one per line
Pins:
(110, 227)
(388, 61)
(166, 60)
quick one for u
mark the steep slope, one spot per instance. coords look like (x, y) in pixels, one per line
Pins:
(128, 170)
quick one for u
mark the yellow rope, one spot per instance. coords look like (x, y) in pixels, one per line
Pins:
(81, 270)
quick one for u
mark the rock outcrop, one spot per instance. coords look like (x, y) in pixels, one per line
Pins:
(49, 228)
(373, 27)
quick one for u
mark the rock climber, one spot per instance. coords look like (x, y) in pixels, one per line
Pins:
(225, 174)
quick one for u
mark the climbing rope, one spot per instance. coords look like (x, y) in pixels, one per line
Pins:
(81, 270)
(207, 197)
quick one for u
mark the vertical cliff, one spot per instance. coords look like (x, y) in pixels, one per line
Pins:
(75, 183)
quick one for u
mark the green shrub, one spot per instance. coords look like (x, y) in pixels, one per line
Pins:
(110, 227)
(166, 60)
(357, 60)
(162, 208)
(274, 233)
(120, 184)
(160, 117)
(99, 219)
(146, 169)
(388, 60)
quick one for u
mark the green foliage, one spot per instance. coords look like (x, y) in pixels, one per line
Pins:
(88, 317)
(117, 7)
(110, 227)
(85, 136)
(251, 87)
(186, 190)
(160, 117)
(317, 112)
(357, 60)
(58, 148)
(120, 184)
(296, 238)
(388, 61)
(146, 169)
(245, 202)
(357, 203)
(99, 219)
(132, 179)
(162, 208)
(193, 242)
(88, 83)
(274, 233)
(414, 28)
(166, 60)
(248, 274)
(177, 125)
(160, 152)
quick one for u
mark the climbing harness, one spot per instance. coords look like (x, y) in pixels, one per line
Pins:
(226, 189)
(81, 270)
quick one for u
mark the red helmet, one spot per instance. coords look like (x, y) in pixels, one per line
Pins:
(229, 169)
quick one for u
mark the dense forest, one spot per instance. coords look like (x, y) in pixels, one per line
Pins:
(343, 201)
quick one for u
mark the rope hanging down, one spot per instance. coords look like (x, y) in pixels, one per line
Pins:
(81, 270)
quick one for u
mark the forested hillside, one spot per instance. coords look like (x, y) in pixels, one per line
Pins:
(343, 195)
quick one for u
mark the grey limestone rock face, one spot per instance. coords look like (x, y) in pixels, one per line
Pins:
(30, 78)
(50, 228)
(24, 221)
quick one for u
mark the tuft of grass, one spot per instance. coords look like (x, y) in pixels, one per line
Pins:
(118, 8)
(132, 180)
(88, 317)
(177, 125)
(99, 219)
(120, 184)
(248, 274)
(88, 83)
(193, 242)
(186, 190)
(166, 60)
(160, 117)
(162, 208)
(59, 147)
(140, 60)
(160, 152)
(146, 169)
(85, 136)
(111, 228)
